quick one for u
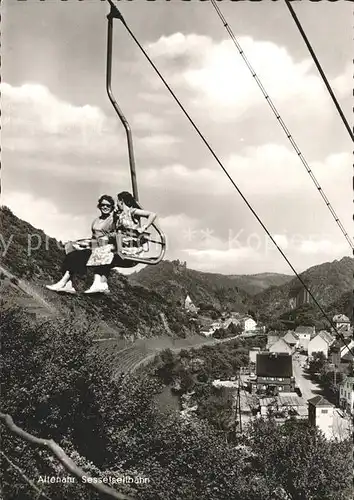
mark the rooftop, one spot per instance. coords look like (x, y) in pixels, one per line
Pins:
(341, 318)
(320, 401)
(281, 345)
(274, 365)
(348, 380)
(284, 399)
(289, 338)
(326, 336)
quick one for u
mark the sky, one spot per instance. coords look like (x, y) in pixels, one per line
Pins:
(63, 146)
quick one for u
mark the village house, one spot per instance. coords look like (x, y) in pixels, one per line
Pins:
(304, 334)
(281, 346)
(321, 415)
(345, 350)
(283, 406)
(249, 324)
(317, 344)
(339, 352)
(274, 372)
(346, 395)
(327, 337)
(272, 338)
(189, 306)
(290, 339)
(345, 331)
(341, 321)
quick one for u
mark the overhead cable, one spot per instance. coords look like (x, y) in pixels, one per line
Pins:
(117, 14)
(320, 70)
(284, 127)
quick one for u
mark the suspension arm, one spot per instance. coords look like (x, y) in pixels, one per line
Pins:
(115, 14)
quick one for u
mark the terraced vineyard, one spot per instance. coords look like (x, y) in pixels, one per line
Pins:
(25, 296)
(124, 355)
(143, 351)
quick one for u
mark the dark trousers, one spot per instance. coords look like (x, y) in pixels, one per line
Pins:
(76, 263)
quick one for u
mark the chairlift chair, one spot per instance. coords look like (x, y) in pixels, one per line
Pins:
(143, 242)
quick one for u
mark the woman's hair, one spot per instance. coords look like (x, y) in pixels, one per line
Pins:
(128, 199)
(106, 197)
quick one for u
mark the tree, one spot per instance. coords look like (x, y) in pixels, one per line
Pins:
(318, 363)
(235, 329)
(220, 333)
(298, 458)
(53, 386)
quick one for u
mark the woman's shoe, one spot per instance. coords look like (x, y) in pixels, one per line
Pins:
(55, 287)
(68, 288)
(61, 283)
(98, 288)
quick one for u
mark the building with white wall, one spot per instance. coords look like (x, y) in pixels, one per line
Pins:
(321, 414)
(249, 324)
(346, 394)
(317, 344)
(304, 334)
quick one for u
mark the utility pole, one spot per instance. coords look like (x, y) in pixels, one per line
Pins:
(238, 419)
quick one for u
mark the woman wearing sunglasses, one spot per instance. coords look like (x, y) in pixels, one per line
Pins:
(78, 253)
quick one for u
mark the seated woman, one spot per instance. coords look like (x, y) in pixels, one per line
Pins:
(78, 253)
(128, 217)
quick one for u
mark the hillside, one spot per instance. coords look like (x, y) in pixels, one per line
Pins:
(181, 278)
(256, 283)
(130, 311)
(344, 304)
(174, 281)
(150, 302)
(329, 282)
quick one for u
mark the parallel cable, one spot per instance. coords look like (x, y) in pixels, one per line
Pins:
(118, 15)
(320, 70)
(284, 127)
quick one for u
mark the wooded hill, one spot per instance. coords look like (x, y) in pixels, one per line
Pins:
(331, 283)
(151, 302)
(219, 291)
(131, 310)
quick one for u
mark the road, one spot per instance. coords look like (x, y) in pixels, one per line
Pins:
(308, 388)
(206, 342)
(342, 425)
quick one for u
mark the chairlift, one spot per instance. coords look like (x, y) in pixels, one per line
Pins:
(141, 250)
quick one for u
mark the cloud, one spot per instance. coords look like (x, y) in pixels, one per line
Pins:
(258, 254)
(343, 84)
(72, 154)
(324, 247)
(159, 142)
(276, 169)
(180, 178)
(43, 214)
(33, 105)
(265, 171)
(39, 123)
(216, 75)
(148, 122)
(42, 132)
